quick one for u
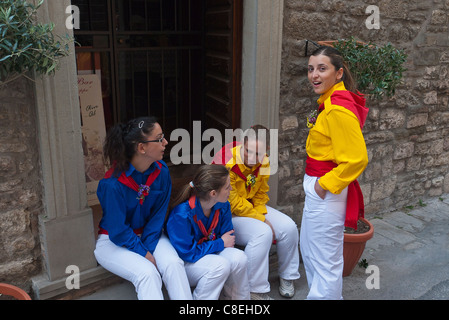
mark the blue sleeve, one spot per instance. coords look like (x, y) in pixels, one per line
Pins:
(225, 219)
(153, 228)
(182, 236)
(113, 203)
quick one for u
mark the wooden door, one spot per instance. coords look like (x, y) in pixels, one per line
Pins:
(223, 56)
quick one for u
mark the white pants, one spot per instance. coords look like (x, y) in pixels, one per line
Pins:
(322, 232)
(214, 272)
(142, 273)
(257, 238)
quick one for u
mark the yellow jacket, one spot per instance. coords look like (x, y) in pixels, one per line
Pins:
(337, 137)
(248, 202)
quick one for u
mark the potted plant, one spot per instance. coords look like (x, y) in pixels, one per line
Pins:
(378, 70)
(26, 45)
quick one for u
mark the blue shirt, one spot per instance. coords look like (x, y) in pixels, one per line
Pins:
(122, 212)
(184, 232)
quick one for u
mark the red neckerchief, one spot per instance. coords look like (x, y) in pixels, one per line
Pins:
(210, 234)
(352, 102)
(355, 207)
(142, 190)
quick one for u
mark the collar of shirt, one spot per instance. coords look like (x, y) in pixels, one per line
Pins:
(199, 210)
(338, 86)
(132, 169)
(139, 177)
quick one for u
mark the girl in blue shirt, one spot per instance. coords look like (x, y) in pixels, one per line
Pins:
(200, 228)
(134, 196)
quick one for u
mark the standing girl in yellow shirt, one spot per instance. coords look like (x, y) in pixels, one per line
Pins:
(336, 156)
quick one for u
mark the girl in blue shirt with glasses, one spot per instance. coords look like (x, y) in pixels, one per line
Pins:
(134, 196)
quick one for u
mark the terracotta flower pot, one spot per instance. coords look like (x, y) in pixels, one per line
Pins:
(353, 247)
(329, 43)
(13, 291)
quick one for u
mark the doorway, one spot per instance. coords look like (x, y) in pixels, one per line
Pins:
(177, 60)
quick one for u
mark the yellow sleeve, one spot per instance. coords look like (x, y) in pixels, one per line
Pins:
(240, 206)
(348, 147)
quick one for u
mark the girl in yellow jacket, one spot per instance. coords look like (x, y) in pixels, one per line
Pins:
(257, 225)
(336, 156)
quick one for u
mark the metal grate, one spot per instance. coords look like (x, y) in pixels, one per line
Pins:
(152, 57)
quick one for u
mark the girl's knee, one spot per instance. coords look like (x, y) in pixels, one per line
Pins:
(145, 275)
(289, 231)
(240, 261)
(219, 268)
(170, 264)
(263, 236)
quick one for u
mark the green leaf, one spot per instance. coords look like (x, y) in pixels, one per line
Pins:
(5, 57)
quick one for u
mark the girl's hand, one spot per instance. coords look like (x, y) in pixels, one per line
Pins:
(150, 258)
(272, 229)
(319, 190)
(229, 239)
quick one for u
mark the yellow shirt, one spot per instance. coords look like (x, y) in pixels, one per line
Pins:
(337, 137)
(244, 203)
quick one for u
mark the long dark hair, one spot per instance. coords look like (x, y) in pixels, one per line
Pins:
(122, 140)
(208, 177)
(338, 62)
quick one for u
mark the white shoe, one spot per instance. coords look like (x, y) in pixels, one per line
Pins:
(260, 296)
(286, 288)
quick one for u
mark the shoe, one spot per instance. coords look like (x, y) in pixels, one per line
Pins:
(260, 296)
(286, 288)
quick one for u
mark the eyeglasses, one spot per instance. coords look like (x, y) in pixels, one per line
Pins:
(158, 140)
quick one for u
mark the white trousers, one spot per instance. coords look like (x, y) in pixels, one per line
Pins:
(142, 273)
(257, 237)
(322, 232)
(214, 272)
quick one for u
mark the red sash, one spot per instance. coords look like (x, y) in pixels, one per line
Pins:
(209, 234)
(355, 207)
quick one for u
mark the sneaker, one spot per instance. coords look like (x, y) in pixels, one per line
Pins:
(286, 288)
(260, 296)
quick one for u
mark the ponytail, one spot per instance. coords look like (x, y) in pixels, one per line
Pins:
(348, 79)
(122, 140)
(184, 194)
(207, 178)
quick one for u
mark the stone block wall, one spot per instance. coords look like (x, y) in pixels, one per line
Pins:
(20, 185)
(407, 136)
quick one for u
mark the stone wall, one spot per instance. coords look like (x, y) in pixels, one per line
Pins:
(20, 185)
(407, 136)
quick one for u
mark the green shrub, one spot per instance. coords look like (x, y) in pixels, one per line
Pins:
(26, 45)
(377, 69)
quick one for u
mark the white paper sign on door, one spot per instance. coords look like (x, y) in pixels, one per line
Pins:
(94, 132)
